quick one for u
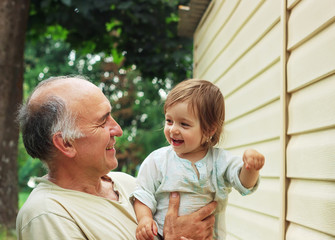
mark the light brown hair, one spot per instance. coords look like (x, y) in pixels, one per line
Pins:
(206, 101)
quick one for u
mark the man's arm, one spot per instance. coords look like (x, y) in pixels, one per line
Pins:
(197, 226)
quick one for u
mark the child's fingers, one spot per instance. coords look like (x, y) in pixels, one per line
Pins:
(139, 235)
(143, 234)
(249, 162)
(259, 162)
(254, 163)
(247, 166)
(148, 232)
(154, 228)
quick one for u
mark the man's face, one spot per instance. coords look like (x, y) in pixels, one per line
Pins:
(95, 151)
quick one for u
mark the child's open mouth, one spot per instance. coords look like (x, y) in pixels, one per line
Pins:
(176, 142)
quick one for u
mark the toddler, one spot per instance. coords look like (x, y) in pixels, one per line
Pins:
(191, 164)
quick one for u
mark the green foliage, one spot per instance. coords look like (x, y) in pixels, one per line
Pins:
(57, 32)
(128, 48)
(140, 114)
(23, 197)
(27, 167)
(7, 234)
(31, 167)
(144, 32)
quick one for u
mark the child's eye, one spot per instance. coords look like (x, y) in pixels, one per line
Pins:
(168, 121)
(185, 124)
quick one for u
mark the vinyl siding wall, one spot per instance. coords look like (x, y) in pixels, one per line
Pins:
(274, 61)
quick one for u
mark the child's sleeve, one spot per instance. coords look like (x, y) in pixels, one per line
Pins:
(147, 182)
(231, 172)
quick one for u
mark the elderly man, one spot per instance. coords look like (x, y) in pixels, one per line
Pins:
(67, 124)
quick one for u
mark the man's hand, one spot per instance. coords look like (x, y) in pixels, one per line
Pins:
(197, 226)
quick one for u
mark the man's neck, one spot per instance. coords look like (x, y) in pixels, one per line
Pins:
(95, 185)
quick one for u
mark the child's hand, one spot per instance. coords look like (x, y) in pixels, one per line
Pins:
(146, 229)
(253, 160)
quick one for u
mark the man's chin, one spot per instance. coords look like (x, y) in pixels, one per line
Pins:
(114, 164)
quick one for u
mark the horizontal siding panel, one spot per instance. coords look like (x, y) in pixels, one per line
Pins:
(313, 107)
(297, 232)
(307, 17)
(205, 35)
(265, 18)
(231, 237)
(255, 127)
(265, 200)
(226, 35)
(312, 60)
(271, 151)
(262, 90)
(312, 155)
(252, 64)
(239, 48)
(312, 204)
(251, 225)
(292, 3)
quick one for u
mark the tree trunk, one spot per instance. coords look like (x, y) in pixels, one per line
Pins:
(13, 24)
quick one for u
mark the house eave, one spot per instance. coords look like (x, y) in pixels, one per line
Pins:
(190, 16)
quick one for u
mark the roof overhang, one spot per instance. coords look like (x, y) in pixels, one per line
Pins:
(190, 16)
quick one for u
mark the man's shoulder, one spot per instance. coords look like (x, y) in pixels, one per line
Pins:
(123, 182)
(122, 178)
(38, 200)
(38, 204)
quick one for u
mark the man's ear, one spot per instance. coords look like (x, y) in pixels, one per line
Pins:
(63, 146)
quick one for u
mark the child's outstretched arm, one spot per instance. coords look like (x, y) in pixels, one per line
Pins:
(146, 229)
(253, 162)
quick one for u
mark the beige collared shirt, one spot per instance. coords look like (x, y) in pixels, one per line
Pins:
(52, 212)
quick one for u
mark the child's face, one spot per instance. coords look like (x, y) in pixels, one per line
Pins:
(183, 132)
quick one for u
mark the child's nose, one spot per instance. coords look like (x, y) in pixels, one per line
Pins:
(175, 129)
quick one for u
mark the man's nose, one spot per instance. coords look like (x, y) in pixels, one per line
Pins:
(115, 129)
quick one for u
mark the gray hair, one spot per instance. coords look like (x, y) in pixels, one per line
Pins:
(40, 123)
